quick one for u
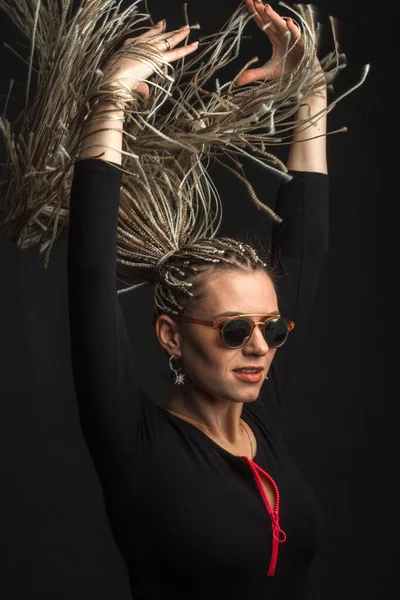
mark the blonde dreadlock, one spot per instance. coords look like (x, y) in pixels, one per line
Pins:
(170, 210)
(183, 275)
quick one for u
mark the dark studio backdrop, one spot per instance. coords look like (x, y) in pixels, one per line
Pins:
(340, 425)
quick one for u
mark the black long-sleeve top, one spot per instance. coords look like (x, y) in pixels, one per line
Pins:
(189, 517)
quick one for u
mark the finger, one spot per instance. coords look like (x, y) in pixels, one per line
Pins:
(278, 23)
(181, 52)
(143, 90)
(263, 20)
(250, 4)
(260, 12)
(293, 28)
(259, 21)
(251, 75)
(296, 34)
(173, 39)
(153, 31)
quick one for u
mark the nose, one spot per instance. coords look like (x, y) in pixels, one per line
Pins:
(257, 344)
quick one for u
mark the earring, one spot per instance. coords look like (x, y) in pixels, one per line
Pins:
(179, 375)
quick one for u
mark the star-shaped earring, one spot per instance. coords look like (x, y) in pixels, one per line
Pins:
(179, 378)
(179, 375)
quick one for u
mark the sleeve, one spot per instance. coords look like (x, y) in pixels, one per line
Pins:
(299, 245)
(113, 411)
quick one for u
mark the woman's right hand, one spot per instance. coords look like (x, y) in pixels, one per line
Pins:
(127, 72)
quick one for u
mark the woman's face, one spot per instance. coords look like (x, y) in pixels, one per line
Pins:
(207, 362)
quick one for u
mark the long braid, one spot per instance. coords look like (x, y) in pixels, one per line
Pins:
(170, 210)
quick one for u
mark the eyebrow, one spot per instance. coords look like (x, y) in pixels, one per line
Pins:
(233, 314)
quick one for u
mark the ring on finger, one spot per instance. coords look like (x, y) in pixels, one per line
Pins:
(266, 25)
(167, 43)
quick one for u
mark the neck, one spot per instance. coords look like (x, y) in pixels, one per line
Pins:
(219, 417)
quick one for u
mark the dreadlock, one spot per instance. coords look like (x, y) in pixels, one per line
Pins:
(170, 210)
(181, 275)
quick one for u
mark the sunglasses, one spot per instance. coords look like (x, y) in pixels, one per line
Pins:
(236, 331)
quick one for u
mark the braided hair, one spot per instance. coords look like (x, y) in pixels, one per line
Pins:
(181, 276)
(170, 211)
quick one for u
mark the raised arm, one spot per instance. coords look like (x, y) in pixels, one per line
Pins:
(111, 406)
(100, 350)
(300, 242)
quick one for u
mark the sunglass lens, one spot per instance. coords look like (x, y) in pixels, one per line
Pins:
(276, 333)
(235, 333)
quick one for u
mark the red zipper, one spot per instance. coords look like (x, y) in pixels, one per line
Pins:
(278, 535)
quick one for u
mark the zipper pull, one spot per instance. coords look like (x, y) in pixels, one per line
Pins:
(278, 533)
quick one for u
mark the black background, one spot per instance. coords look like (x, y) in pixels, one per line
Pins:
(341, 425)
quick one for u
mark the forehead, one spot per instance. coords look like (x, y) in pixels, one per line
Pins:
(238, 291)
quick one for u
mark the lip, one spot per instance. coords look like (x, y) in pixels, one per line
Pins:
(250, 367)
(249, 377)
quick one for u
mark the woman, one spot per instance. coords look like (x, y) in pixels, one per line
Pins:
(202, 496)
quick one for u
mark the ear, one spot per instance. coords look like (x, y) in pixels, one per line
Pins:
(168, 334)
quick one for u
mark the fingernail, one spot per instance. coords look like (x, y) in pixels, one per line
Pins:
(194, 44)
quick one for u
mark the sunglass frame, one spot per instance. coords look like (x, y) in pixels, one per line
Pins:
(220, 324)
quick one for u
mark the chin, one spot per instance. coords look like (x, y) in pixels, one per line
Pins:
(233, 393)
(246, 396)
(252, 393)
(250, 398)
(253, 398)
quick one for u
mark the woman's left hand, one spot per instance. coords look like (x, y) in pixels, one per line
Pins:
(278, 30)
